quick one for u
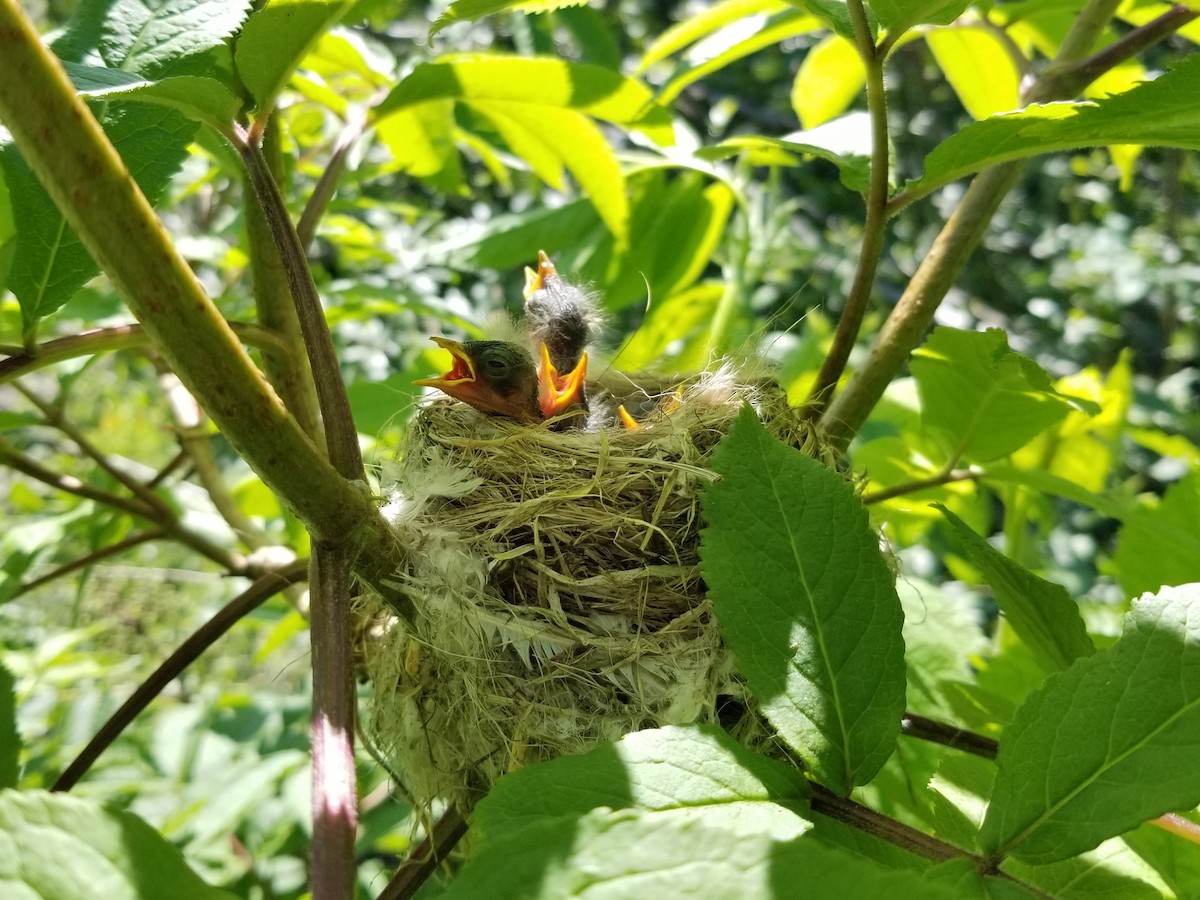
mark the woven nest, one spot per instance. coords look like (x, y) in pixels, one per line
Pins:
(557, 579)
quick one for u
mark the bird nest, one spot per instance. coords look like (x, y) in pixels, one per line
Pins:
(557, 581)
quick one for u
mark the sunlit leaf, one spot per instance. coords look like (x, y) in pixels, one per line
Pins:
(899, 15)
(979, 66)
(845, 142)
(1156, 113)
(982, 399)
(1160, 545)
(592, 90)
(575, 140)
(276, 38)
(55, 845)
(1106, 744)
(470, 10)
(149, 37)
(734, 42)
(704, 23)
(831, 76)
(202, 99)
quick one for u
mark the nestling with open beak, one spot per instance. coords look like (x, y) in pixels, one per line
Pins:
(502, 378)
(499, 378)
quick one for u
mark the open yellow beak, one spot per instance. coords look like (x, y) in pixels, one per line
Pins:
(558, 393)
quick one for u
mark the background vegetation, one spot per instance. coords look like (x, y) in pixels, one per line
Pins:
(742, 214)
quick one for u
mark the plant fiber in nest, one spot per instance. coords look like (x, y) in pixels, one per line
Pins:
(557, 581)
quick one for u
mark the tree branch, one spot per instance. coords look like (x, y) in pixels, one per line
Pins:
(859, 298)
(267, 586)
(908, 323)
(948, 735)
(152, 534)
(21, 361)
(426, 857)
(920, 484)
(87, 180)
(289, 371)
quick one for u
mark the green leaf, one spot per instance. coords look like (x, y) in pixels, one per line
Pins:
(1177, 861)
(806, 603)
(276, 39)
(703, 23)
(203, 99)
(8, 232)
(379, 405)
(470, 10)
(1159, 545)
(51, 264)
(53, 845)
(1158, 113)
(666, 812)
(10, 738)
(653, 770)
(897, 16)
(839, 142)
(1111, 871)
(808, 868)
(980, 68)
(676, 227)
(1041, 613)
(579, 144)
(830, 78)
(594, 34)
(421, 140)
(835, 14)
(1107, 744)
(147, 37)
(982, 399)
(941, 635)
(736, 42)
(718, 851)
(592, 90)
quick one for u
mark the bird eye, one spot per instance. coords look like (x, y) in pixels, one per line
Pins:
(495, 365)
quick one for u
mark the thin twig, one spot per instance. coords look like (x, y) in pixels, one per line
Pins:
(1068, 80)
(14, 458)
(289, 373)
(1178, 825)
(196, 442)
(26, 465)
(335, 793)
(152, 534)
(267, 586)
(859, 297)
(827, 803)
(340, 435)
(335, 796)
(948, 735)
(426, 856)
(326, 185)
(56, 418)
(179, 459)
(920, 484)
(20, 361)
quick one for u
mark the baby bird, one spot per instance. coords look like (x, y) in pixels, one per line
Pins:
(559, 314)
(502, 378)
(499, 378)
